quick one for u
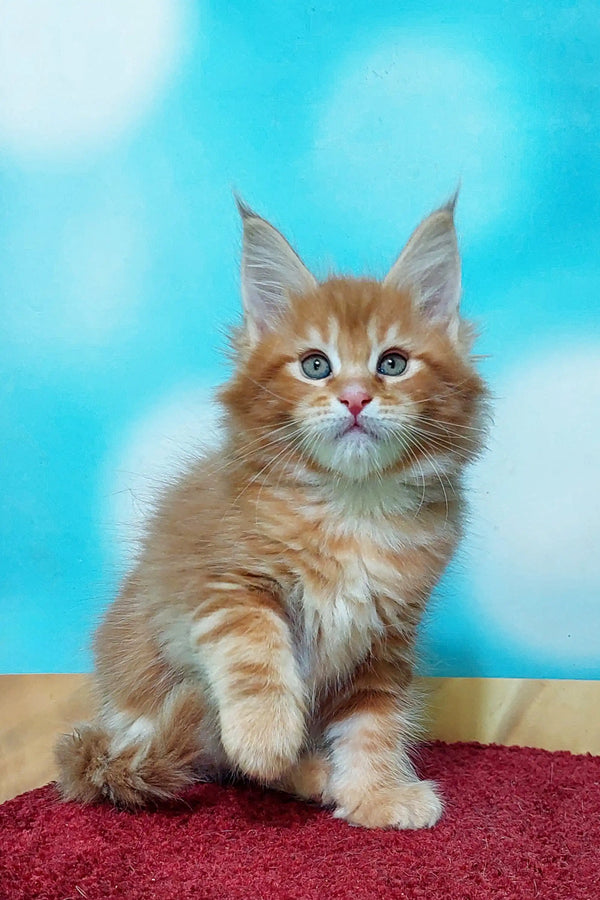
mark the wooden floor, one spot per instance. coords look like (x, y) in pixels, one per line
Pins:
(557, 715)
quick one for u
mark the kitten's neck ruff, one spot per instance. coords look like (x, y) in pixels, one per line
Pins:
(391, 495)
(409, 493)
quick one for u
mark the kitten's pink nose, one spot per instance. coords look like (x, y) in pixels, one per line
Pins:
(355, 398)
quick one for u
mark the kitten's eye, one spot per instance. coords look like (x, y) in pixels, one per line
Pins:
(392, 363)
(316, 365)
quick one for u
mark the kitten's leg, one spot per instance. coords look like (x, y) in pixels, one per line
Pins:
(373, 782)
(133, 759)
(308, 778)
(245, 649)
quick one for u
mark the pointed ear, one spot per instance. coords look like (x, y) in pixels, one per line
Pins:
(429, 265)
(271, 271)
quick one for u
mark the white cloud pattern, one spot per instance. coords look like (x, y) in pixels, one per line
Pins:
(536, 512)
(406, 120)
(75, 75)
(158, 447)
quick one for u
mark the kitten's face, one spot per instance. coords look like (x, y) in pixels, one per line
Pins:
(355, 376)
(359, 382)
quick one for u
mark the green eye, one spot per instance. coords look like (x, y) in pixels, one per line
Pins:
(316, 366)
(392, 363)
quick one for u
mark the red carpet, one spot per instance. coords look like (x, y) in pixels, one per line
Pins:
(519, 824)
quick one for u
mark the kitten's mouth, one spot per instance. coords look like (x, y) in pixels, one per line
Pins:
(356, 428)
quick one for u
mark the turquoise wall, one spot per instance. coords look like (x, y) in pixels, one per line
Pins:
(124, 125)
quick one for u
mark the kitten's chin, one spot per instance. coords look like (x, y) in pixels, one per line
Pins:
(355, 455)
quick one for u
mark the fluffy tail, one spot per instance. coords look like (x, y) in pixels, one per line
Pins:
(147, 761)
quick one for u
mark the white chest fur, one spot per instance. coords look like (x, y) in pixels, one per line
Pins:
(336, 603)
(336, 623)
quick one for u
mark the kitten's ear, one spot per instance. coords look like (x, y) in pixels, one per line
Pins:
(271, 270)
(429, 265)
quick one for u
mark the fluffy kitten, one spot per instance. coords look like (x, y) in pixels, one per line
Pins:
(268, 626)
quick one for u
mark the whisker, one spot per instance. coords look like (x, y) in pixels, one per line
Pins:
(290, 451)
(440, 422)
(267, 390)
(257, 475)
(253, 448)
(441, 444)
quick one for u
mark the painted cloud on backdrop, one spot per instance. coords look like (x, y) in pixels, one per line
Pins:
(405, 120)
(158, 447)
(533, 554)
(76, 75)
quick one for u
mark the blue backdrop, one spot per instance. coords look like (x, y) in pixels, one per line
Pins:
(124, 125)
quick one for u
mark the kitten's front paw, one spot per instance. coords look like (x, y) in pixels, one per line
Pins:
(262, 736)
(412, 805)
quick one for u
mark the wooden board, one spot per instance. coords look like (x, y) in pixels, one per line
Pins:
(556, 715)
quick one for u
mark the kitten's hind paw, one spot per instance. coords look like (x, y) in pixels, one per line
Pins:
(307, 778)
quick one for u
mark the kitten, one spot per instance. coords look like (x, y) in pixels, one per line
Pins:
(268, 626)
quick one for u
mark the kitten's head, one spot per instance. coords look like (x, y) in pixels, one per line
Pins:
(356, 376)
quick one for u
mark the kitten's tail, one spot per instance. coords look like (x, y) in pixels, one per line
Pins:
(147, 762)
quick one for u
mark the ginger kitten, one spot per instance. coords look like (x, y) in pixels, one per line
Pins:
(268, 626)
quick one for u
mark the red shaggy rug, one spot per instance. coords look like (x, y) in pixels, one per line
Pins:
(518, 824)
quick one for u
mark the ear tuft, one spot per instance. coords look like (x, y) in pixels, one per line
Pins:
(243, 208)
(450, 204)
(271, 271)
(429, 266)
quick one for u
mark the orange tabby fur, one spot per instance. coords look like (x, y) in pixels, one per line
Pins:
(268, 626)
